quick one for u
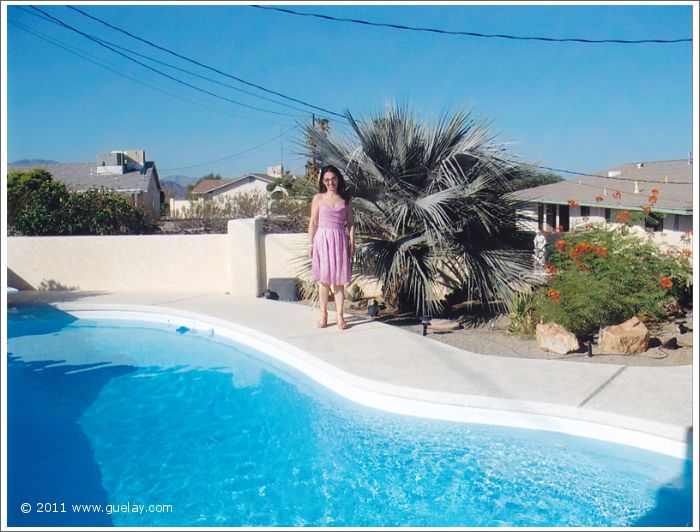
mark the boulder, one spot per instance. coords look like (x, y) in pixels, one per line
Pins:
(555, 338)
(628, 338)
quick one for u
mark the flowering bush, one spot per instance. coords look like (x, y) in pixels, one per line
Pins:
(601, 277)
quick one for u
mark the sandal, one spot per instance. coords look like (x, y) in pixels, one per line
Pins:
(323, 322)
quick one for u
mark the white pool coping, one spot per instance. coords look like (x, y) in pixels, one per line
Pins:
(400, 399)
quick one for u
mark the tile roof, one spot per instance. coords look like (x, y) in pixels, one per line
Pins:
(672, 179)
(83, 176)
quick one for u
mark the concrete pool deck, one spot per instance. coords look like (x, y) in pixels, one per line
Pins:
(383, 359)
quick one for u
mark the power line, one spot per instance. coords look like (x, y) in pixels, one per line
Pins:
(98, 41)
(128, 50)
(86, 57)
(472, 34)
(609, 177)
(233, 156)
(167, 50)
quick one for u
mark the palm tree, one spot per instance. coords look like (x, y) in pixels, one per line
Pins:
(432, 219)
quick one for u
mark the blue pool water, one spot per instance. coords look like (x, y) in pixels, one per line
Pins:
(119, 413)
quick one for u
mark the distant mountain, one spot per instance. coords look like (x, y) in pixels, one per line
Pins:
(183, 180)
(177, 190)
(35, 161)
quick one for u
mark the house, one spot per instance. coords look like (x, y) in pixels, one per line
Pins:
(663, 188)
(226, 189)
(126, 172)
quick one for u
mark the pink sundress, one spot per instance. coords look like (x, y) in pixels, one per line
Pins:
(331, 253)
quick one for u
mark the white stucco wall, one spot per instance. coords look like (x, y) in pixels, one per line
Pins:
(177, 206)
(284, 254)
(184, 263)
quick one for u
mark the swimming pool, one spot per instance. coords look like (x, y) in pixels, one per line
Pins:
(203, 431)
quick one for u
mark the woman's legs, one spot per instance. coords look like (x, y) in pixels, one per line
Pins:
(339, 295)
(323, 295)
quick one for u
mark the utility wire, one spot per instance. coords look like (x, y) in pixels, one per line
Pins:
(612, 177)
(167, 50)
(128, 50)
(69, 49)
(469, 33)
(98, 41)
(235, 155)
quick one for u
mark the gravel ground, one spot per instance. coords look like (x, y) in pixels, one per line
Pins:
(497, 341)
(481, 339)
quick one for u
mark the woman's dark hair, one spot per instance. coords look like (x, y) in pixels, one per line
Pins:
(343, 191)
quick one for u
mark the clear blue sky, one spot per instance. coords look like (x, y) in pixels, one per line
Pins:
(581, 107)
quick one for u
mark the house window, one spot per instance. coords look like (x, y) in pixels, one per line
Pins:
(564, 217)
(540, 216)
(585, 211)
(607, 214)
(552, 217)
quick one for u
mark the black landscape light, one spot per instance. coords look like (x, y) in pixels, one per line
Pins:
(269, 294)
(425, 321)
(373, 309)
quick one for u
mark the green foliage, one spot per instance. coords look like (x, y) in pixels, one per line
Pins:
(52, 209)
(430, 207)
(603, 277)
(354, 293)
(521, 316)
(20, 186)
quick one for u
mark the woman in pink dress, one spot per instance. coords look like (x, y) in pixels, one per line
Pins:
(331, 249)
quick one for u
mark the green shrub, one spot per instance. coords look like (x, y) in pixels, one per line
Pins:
(20, 186)
(521, 316)
(602, 277)
(52, 209)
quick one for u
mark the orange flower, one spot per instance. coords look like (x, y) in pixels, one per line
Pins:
(623, 217)
(666, 282)
(653, 198)
(655, 191)
(583, 267)
(646, 209)
(685, 252)
(599, 198)
(601, 251)
(550, 268)
(581, 249)
(617, 195)
(560, 245)
(572, 203)
(554, 295)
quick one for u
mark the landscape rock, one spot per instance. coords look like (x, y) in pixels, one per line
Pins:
(555, 338)
(630, 337)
